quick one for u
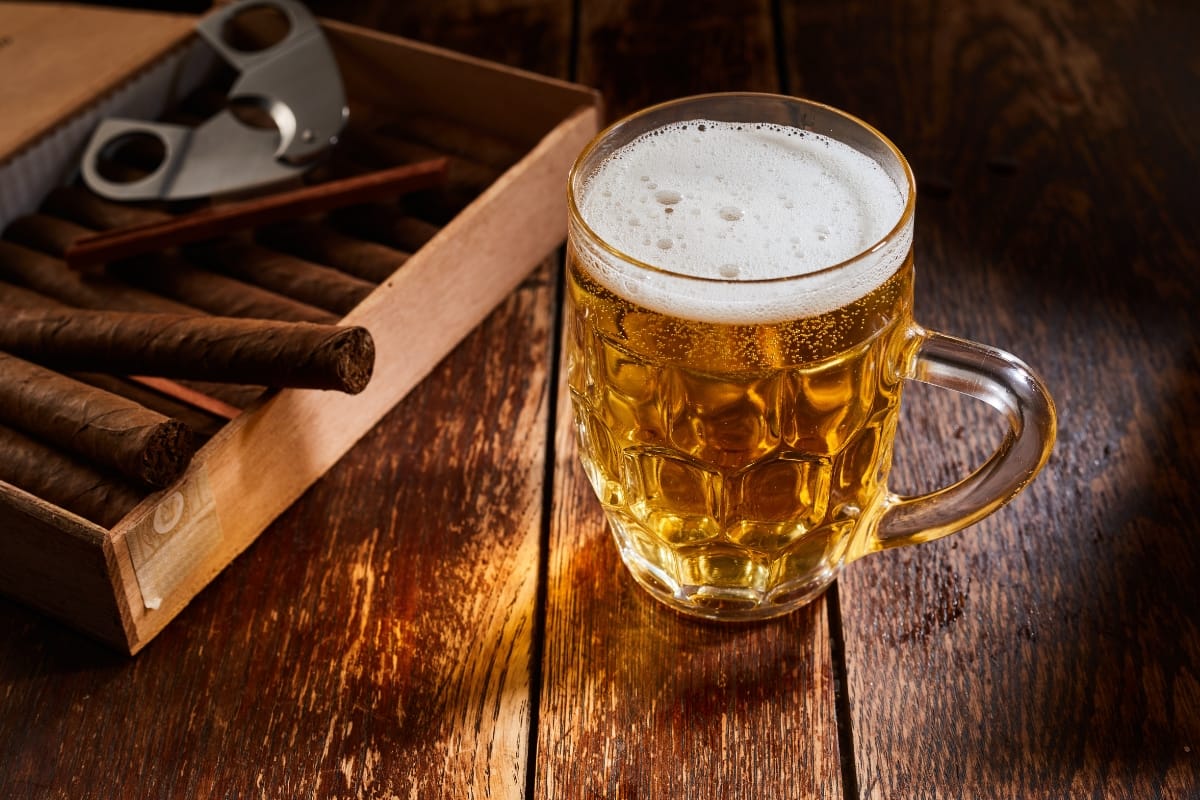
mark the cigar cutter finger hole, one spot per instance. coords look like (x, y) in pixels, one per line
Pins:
(285, 109)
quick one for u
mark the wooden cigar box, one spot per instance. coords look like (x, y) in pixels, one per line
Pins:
(124, 584)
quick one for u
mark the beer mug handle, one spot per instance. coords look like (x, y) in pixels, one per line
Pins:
(1006, 384)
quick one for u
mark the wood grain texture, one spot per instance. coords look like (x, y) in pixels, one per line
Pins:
(1050, 651)
(637, 701)
(640, 53)
(374, 643)
(383, 638)
(531, 34)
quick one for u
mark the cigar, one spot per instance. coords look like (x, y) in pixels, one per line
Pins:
(203, 423)
(318, 242)
(221, 400)
(290, 277)
(287, 275)
(279, 354)
(107, 430)
(385, 224)
(45, 233)
(216, 220)
(80, 205)
(170, 275)
(14, 296)
(63, 480)
(166, 274)
(51, 277)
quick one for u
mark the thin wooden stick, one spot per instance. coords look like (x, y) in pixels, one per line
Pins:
(122, 243)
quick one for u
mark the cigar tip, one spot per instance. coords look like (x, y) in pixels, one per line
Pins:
(167, 454)
(355, 359)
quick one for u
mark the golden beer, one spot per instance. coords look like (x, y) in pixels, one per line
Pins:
(739, 327)
(734, 461)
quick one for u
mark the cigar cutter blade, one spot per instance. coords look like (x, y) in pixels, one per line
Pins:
(296, 81)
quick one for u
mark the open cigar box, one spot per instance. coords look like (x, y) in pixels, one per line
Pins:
(124, 583)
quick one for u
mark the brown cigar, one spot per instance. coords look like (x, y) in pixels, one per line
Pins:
(45, 233)
(318, 242)
(386, 224)
(204, 424)
(281, 354)
(51, 277)
(63, 480)
(169, 275)
(107, 430)
(80, 205)
(319, 286)
(217, 294)
(221, 400)
(281, 274)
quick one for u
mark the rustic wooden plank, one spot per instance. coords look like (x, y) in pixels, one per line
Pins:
(637, 701)
(640, 53)
(532, 34)
(1050, 651)
(374, 642)
(377, 640)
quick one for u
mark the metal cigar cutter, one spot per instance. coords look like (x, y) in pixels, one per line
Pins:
(295, 81)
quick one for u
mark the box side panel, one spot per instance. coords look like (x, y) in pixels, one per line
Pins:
(388, 72)
(262, 461)
(60, 564)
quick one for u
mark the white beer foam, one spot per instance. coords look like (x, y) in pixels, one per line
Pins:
(740, 203)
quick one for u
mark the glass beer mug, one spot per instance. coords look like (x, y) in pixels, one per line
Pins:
(739, 331)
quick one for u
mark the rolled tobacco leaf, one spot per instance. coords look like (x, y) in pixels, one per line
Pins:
(52, 277)
(224, 400)
(45, 233)
(386, 224)
(211, 292)
(284, 274)
(63, 480)
(323, 244)
(108, 430)
(280, 354)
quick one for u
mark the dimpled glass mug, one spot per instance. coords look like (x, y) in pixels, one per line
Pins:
(739, 330)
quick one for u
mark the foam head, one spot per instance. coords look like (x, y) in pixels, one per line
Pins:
(756, 212)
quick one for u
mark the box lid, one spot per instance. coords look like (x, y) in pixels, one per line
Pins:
(58, 58)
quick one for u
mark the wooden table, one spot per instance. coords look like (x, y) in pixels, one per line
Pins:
(443, 615)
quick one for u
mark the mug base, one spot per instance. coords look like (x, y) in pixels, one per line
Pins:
(720, 603)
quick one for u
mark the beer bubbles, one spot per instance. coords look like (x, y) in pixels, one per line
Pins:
(741, 203)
